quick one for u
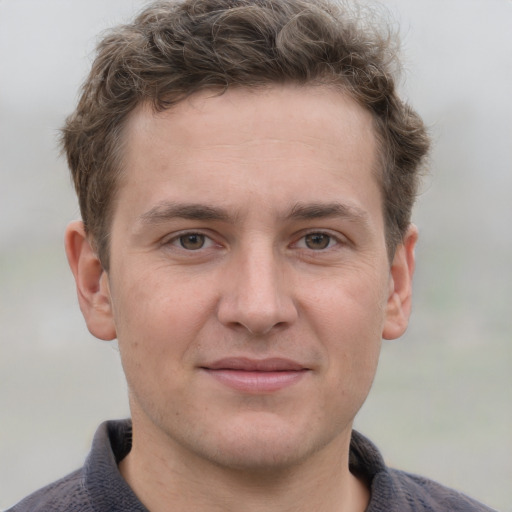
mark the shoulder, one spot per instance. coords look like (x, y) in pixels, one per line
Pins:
(98, 485)
(423, 494)
(67, 494)
(398, 491)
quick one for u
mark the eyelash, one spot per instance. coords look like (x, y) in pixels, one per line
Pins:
(332, 242)
(177, 240)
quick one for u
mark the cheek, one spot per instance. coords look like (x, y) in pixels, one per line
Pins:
(350, 305)
(347, 317)
(156, 299)
(156, 322)
(353, 354)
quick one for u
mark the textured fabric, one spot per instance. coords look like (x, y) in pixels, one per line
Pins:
(99, 487)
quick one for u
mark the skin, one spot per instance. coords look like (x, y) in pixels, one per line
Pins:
(247, 225)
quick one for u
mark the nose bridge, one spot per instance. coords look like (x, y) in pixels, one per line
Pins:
(257, 296)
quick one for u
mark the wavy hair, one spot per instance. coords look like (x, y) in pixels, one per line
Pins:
(174, 49)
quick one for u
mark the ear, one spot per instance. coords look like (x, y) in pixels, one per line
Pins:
(91, 282)
(398, 306)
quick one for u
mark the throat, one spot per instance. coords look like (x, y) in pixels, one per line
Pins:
(221, 490)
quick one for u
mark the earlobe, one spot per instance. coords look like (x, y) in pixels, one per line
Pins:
(91, 282)
(398, 306)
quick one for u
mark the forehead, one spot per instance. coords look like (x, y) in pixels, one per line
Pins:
(254, 113)
(283, 144)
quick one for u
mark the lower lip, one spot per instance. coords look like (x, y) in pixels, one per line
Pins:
(257, 381)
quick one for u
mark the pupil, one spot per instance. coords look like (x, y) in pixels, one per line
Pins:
(317, 241)
(192, 242)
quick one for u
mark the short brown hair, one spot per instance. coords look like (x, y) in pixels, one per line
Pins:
(174, 49)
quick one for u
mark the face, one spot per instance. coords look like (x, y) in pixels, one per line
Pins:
(249, 285)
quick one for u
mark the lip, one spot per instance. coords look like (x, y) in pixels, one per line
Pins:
(254, 375)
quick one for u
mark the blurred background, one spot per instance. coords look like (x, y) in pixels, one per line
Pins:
(442, 400)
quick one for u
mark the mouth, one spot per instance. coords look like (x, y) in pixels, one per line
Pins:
(256, 376)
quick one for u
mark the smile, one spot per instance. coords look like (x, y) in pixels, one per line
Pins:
(256, 376)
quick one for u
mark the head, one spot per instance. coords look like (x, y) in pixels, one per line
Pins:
(176, 49)
(245, 171)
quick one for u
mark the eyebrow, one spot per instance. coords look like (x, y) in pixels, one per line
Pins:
(307, 211)
(166, 211)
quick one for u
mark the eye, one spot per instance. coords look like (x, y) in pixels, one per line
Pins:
(317, 241)
(191, 241)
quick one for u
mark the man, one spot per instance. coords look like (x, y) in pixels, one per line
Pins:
(246, 173)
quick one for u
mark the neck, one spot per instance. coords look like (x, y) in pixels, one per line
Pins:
(166, 476)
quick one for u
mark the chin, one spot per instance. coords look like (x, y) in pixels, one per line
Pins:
(261, 443)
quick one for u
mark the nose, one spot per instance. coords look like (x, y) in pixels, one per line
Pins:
(256, 294)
